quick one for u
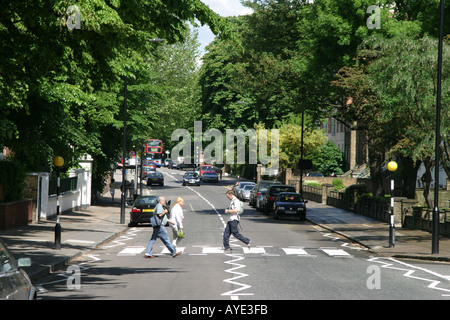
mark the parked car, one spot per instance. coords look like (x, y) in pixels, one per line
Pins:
(290, 204)
(210, 176)
(172, 164)
(259, 199)
(15, 284)
(244, 194)
(272, 192)
(314, 174)
(191, 177)
(241, 186)
(155, 178)
(260, 186)
(142, 210)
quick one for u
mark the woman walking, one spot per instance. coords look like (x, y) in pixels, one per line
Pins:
(176, 215)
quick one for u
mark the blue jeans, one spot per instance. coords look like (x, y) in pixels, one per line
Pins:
(160, 232)
(232, 229)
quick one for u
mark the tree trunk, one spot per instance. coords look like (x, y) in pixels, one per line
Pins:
(409, 176)
(426, 179)
(376, 160)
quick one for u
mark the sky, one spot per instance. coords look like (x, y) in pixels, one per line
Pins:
(224, 8)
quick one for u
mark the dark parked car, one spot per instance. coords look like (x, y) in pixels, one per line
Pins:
(259, 199)
(290, 204)
(14, 281)
(256, 192)
(155, 178)
(172, 164)
(210, 176)
(142, 210)
(272, 192)
(191, 177)
(314, 174)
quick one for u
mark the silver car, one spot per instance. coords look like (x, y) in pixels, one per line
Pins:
(244, 194)
(14, 281)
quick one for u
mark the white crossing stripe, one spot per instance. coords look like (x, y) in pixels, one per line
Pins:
(166, 251)
(131, 251)
(254, 250)
(335, 252)
(295, 251)
(212, 250)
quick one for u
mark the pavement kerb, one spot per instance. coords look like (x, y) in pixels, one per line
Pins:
(46, 270)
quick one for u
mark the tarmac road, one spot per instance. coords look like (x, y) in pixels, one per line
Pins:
(288, 260)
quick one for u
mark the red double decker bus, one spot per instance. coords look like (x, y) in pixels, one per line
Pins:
(154, 151)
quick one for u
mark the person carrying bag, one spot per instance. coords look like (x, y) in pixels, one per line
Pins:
(158, 222)
(177, 216)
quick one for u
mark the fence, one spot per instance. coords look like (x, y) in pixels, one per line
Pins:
(66, 185)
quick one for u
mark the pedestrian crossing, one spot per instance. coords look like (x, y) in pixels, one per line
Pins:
(265, 251)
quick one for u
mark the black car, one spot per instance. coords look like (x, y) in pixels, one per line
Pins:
(155, 178)
(210, 176)
(256, 192)
(272, 192)
(191, 177)
(142, 210)
(290, 204)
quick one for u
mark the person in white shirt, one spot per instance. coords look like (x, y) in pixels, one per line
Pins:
(176, 215)
(233, 222)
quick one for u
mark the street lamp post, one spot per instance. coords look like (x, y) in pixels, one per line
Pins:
(124, 151)
(435, 226)
(392, 167)
(57, 162)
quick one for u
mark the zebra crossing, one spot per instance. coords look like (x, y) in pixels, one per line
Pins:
(265, 251)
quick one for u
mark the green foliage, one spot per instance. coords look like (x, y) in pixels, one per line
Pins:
(328, 159)
(62, 90)
(12, 177)
(338, 184)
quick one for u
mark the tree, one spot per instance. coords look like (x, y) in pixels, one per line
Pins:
(400, 116)
(328, 159)
(62, 89)
(290, 141)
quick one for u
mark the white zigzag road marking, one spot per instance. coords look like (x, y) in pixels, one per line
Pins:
(120, 240)
(409, 273)
(237, 275)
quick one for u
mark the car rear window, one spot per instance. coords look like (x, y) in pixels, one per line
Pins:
(281, 189)
(147, 201)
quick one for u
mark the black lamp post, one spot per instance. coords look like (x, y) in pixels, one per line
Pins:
(435, 227)
(57, 162)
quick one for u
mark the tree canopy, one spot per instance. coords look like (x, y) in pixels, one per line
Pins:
(62, 86)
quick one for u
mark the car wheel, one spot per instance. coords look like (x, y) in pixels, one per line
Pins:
(275, 215)
(132, 224)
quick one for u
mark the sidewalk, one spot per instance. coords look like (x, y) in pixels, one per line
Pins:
(374, 235)
(84, 230)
